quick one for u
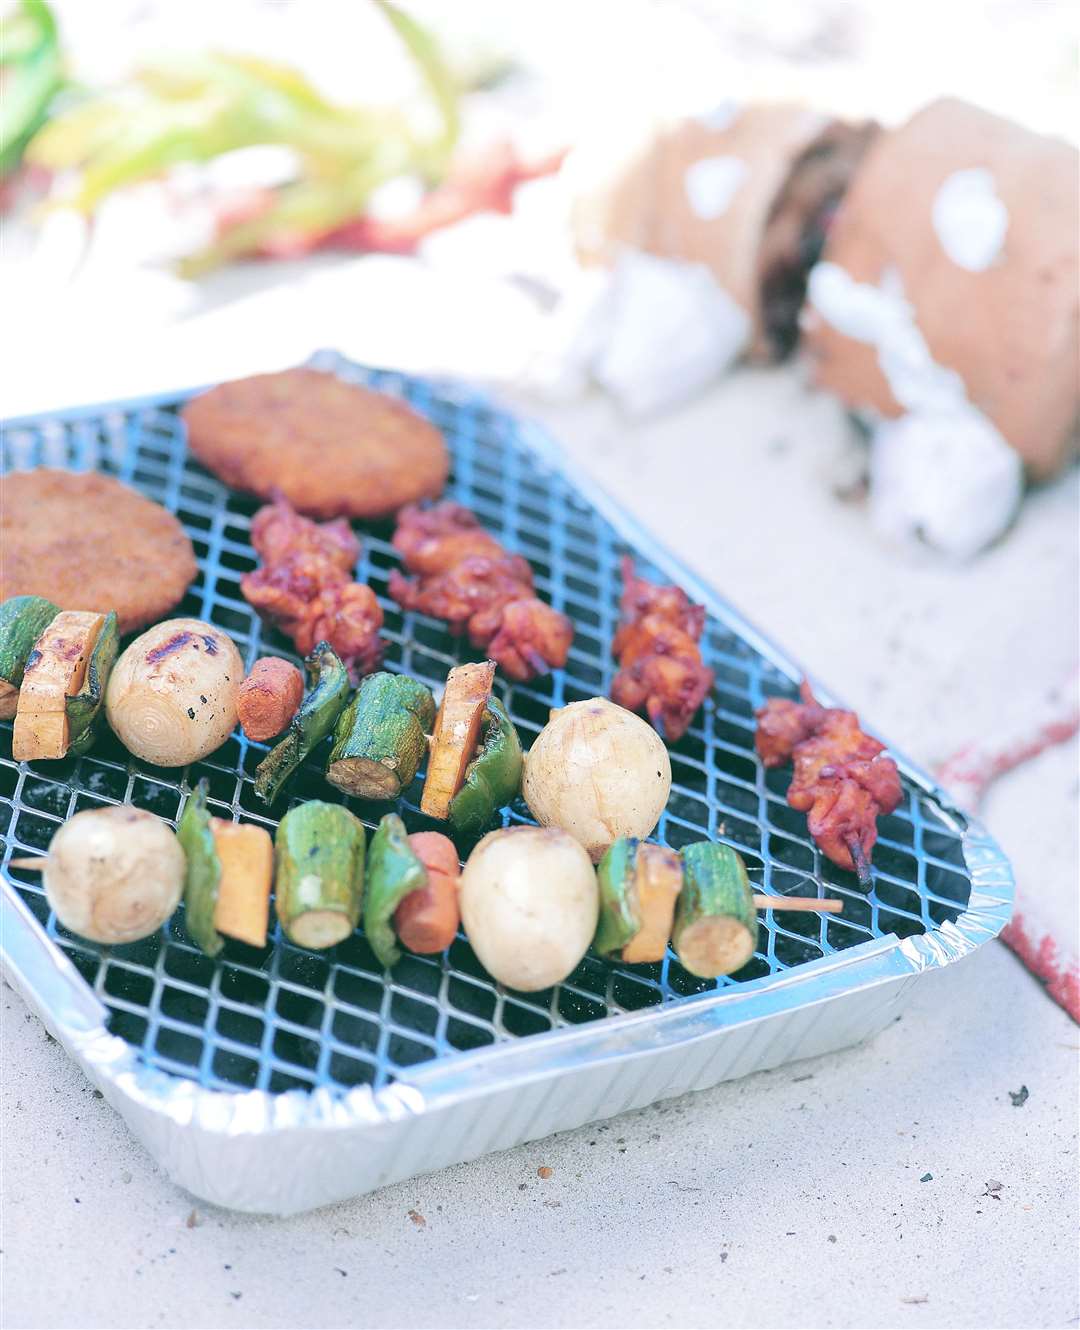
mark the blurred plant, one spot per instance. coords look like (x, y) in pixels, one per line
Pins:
(31, 72)
(193, 108)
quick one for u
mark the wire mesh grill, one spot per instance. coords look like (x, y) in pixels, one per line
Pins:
(281, 1018)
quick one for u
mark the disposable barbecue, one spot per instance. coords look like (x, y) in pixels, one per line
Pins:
(843, 781)
(662, 672)
(465, 577)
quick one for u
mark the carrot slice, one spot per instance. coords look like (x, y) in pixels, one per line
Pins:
(427, 919)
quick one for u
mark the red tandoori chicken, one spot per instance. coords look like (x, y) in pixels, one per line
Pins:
(305, 586)
(843, 781)
(661, 669)
(464, 576)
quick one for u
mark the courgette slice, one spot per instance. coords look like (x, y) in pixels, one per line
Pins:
(22, 621)
(394, 870)
(319, 874)
(318, 714)
(54, 672)
(715, 923)
(381, 737)
(454, 738)
(493, 777)
(86, 708)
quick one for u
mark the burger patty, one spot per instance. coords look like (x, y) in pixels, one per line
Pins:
(89, 542)
(331, 448)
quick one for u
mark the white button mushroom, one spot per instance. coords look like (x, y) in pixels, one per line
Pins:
(529, 904)
(114, 875)
(172, 695)
(599, 772)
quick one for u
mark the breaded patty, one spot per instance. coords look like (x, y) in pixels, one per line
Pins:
(88, 542)
(331, 448)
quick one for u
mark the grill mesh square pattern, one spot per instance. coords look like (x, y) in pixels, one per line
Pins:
(282, 1018)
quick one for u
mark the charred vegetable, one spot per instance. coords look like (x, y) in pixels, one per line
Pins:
(230, 869)
(599, 773)
(172, 694)
(22, 621)
(380, 738)
(715, 923)
(492, 778)
(86, 709)
(316, 718)
(529, 904)
(639, 885)
(411, 891)
(319, 878)
(54, 673)
(269, 698)
(457, 729)
(114, 875)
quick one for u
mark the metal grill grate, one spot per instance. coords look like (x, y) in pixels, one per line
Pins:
(282, 1018)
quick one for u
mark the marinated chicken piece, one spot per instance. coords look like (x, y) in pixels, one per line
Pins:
(477, 588)
(418, 525)
(278, 532)
(465, 577)
(843, 780)
(305, 586)
(532, 639)
(641, 598)
(348, 617)
(661, 669)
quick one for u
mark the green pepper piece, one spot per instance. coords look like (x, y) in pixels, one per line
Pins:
(394, 870)
(493, 777)
(22, 621)
(316, 718)
(381, 737)
(319, 874)
(618, 923)
(203, 877)
(85, 709)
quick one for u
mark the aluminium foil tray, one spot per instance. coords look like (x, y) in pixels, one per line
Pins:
(278, 1080)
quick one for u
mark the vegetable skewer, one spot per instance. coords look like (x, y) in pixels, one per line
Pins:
(701, 898)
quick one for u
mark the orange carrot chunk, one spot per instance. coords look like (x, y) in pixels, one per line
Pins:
(269, 698)
(427, 919)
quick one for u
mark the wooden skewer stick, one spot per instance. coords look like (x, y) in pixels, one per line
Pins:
(830, 905)
(862, 865)
(35, 865)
